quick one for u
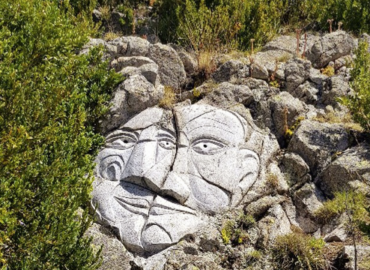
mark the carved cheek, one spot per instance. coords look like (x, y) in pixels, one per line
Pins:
(112, 163)
(221, 169)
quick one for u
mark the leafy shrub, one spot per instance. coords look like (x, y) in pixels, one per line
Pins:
(298, 251)
(50, 102)
(235, 232)
(359, 103)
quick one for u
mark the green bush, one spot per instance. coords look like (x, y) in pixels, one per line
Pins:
(359, 103)
(50, 102)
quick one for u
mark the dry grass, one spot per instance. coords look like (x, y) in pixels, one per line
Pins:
(345, 120)
(206, 64)
(328, 71)
(284, 58)
(110, 36)
(272, 180)
(105, 12)
(169, 98)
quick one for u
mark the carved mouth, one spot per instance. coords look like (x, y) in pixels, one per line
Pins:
(134, 205)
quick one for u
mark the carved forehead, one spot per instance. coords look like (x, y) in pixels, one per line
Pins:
(197, 120)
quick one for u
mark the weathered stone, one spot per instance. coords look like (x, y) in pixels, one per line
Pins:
(188, 59)
(230, 71)
(261, 206)
(338, 235)
(363, 255)
(131, 46)
(226, 95)
(335, 87)
(114, 253)
(306, 92)
(132, 96)
(349, 167)
(274, 62)
(297, 71)
(329, 48)
(317, 77)
(133, 61)
(283, 43)
(171, 68)
(316, 143)
(342, 62)
(295, 170)
(276, 223)
(259, 72)
(285, 109)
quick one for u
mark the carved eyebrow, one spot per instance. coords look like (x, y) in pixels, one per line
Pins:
(167, 133)
(120, 133)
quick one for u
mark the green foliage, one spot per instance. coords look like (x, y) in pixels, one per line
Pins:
(359, 103)
(128, 20)
(50, 102)
(353, 203)
(297, 251)
(235, 232)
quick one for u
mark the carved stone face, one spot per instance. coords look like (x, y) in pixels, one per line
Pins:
(154, 179)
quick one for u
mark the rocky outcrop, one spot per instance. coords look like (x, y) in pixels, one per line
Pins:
(329, 48)
(238, 161)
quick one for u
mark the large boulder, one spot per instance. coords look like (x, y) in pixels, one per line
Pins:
(171, 68)
(350, 170)
(317, 142)
(295, 170)
(329, 48)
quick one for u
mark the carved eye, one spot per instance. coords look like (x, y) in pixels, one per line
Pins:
(122, 142)
(111, 168)
(166, 143)
(207, 146)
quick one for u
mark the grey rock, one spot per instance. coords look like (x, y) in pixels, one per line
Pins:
(317, 77)
(295, 170)
(274, 224)
(133, 61)
(226, 95)
(257, 84)
(329, 48)
(339, 234)
(273, 61)
(316, 143)
(306, 92)
(363, 254)
(342, 62)
(297, 71)
(114, 253)
(132, 96)
(230, 71)
(131, 46)
(259, 72)
(283, 43)
(335, 87)
(351, 166)
(307, 200)
(171, 68)
(261, 206)
(279, 104)
(188, 59)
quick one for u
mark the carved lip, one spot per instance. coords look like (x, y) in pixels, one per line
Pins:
(135, 205)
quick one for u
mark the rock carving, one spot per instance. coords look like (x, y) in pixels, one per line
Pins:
(160, 172)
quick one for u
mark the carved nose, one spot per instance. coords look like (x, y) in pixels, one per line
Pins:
(141, 160)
